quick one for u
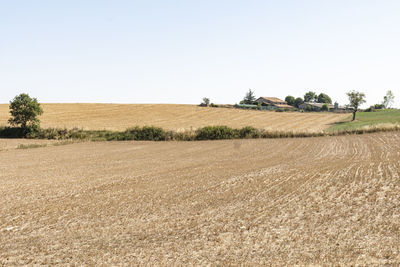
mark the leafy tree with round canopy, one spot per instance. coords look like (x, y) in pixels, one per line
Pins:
(324, 98)
(356, 100)
(310, 97)
(290, 100)
(298, 101)
(24, 111)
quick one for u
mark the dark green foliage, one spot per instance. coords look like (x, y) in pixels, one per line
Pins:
(12, 132)
(324, 98)
(206, 101)
(249, 132)
(145, 133)
(375, 107)
(310, 97)
(19, 132)
(298, 101)
(370, 109)
(157, 134)
(309, 108)
(249, 98)
(325, 107)
(215, 133)
(290, 100)
(24, 111)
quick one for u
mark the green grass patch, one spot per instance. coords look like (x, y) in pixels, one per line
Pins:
(368, 120)
(28, 146)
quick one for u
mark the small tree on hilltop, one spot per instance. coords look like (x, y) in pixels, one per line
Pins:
(356, 99)
(24, 111)
(290, 100)
(249, 98)
(388, 99)
(206, 101)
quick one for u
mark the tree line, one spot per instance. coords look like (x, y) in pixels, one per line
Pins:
(25, 110)
(356, 99)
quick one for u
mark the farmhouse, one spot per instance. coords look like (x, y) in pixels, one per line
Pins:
(273, 102)
(318, 107)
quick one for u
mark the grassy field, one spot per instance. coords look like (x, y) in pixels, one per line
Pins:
(174, 117)
(315, 201)
(368, 119)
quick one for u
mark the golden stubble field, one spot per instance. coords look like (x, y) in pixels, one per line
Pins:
(314, 201)
(174, 117)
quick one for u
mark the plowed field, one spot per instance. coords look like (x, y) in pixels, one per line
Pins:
(319, 201)
(174, 117)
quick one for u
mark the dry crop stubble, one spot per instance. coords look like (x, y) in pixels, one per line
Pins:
(174, 117)
(324, 201)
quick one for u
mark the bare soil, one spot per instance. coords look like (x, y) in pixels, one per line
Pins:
(315, 201)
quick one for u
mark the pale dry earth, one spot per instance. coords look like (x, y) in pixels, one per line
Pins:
(174, 117)
(282, 202)
(7, 144)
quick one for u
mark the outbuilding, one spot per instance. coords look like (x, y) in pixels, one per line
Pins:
(274, 102)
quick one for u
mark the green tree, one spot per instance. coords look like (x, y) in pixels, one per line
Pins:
(298, 101)
(388, 99)
(325, 107)
(309, 108)
(290, 100)
(249, 98)
(24, 111)
(206, 101)
(310, 97)
(356, 99)
(324, 98)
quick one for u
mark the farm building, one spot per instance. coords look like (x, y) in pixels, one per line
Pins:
(274, 102)
(318, 107)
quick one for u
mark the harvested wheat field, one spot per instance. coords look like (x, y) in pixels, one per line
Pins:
(314, 201)
(174, 117)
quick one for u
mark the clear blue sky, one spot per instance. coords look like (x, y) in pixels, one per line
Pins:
(180, 51)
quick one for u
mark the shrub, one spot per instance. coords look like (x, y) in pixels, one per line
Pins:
(325, 107)
(215, 133)
(249, 132)
(145, 133)
(370, 109)
(298, 101)
(290, 100)
(12, 132)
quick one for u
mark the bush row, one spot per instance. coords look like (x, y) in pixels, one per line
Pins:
(151, 133)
